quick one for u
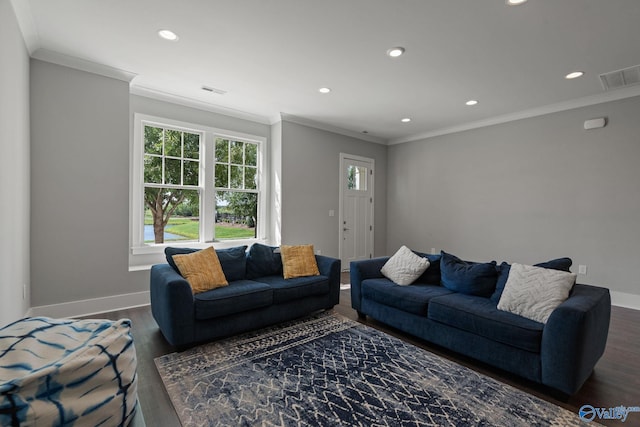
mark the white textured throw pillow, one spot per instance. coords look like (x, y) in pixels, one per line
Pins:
(404, 267)
(534, 292)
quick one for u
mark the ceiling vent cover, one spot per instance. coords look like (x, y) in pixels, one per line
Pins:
(621, 78)
(214, 90)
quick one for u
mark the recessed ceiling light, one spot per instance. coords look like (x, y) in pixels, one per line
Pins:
(574, 75)
(394, 52)
(168, 35)
(472, 102)
(324, 90)
(406, 120)
(515, 2)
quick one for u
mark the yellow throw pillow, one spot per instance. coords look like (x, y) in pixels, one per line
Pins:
(202, 270)
(298, 261)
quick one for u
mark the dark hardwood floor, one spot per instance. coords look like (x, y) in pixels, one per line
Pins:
(614, 382)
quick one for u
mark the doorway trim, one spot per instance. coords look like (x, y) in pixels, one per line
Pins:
(342, 183)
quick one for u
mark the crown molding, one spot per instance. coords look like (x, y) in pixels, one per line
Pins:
(586, 101)
(22, 10)
(194, 103)
(330, 128)
(83, 65)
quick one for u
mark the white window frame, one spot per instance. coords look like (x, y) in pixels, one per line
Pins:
(145, 252)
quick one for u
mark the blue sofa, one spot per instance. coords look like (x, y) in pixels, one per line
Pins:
(257, 295)
(560, 354)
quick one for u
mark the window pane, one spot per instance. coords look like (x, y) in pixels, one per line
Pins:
(153, 169)
(357, 178)
(222, 150)
(184, 223)
(236, 215)
(236, 152)
(222, 176)
(172, 173)
(172, 143)
(236, 177)
(191, 145)
(152, 140)
(251, 154)
(250, 178)
(191, 170)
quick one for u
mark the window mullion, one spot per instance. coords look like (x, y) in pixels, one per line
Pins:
(207, 187)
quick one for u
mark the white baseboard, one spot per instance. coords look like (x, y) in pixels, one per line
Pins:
(623, 299)
(92, 306)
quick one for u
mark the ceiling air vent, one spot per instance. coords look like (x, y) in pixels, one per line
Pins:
(214, 90)
(621, 78)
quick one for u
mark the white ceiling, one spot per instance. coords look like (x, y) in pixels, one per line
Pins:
(271, 56)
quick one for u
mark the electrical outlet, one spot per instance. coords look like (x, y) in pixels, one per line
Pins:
(433, 251)
(318, 252)
(582, 269)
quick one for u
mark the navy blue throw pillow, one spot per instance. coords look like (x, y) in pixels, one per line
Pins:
(233, 260)
(432, 274)
(466, 277)
(562, 264)
(263, 260)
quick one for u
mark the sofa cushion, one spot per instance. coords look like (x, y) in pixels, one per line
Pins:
(263, 260)
(241, 295)
(285, 290)
(562, 264)
(534, 292)
(404, 267)
(233, 260)
(480, 316)
(298, 261)
(413, 299)
(201, 269)
(471, 278)
(432, 274)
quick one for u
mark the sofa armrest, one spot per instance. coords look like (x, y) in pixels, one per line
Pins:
(574, 338)
(362, 270)
(172, 304)
(330, 267)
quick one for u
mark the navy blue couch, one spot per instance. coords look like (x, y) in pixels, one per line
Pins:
(560, 354)
(257, 295)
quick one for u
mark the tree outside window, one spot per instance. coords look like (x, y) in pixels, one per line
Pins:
(236, 183)
(171, 183)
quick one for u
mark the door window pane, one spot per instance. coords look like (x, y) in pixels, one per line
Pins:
(357, 178)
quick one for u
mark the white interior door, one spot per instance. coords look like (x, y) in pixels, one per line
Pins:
(356, 209)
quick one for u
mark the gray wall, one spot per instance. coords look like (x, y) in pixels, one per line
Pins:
(154, 107)
(79, 186)
(14, 168)
(527, 191)
(311, 186)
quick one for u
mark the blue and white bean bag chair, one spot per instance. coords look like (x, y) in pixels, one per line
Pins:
(62, 372)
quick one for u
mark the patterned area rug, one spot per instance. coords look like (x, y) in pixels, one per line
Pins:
(328, 370)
